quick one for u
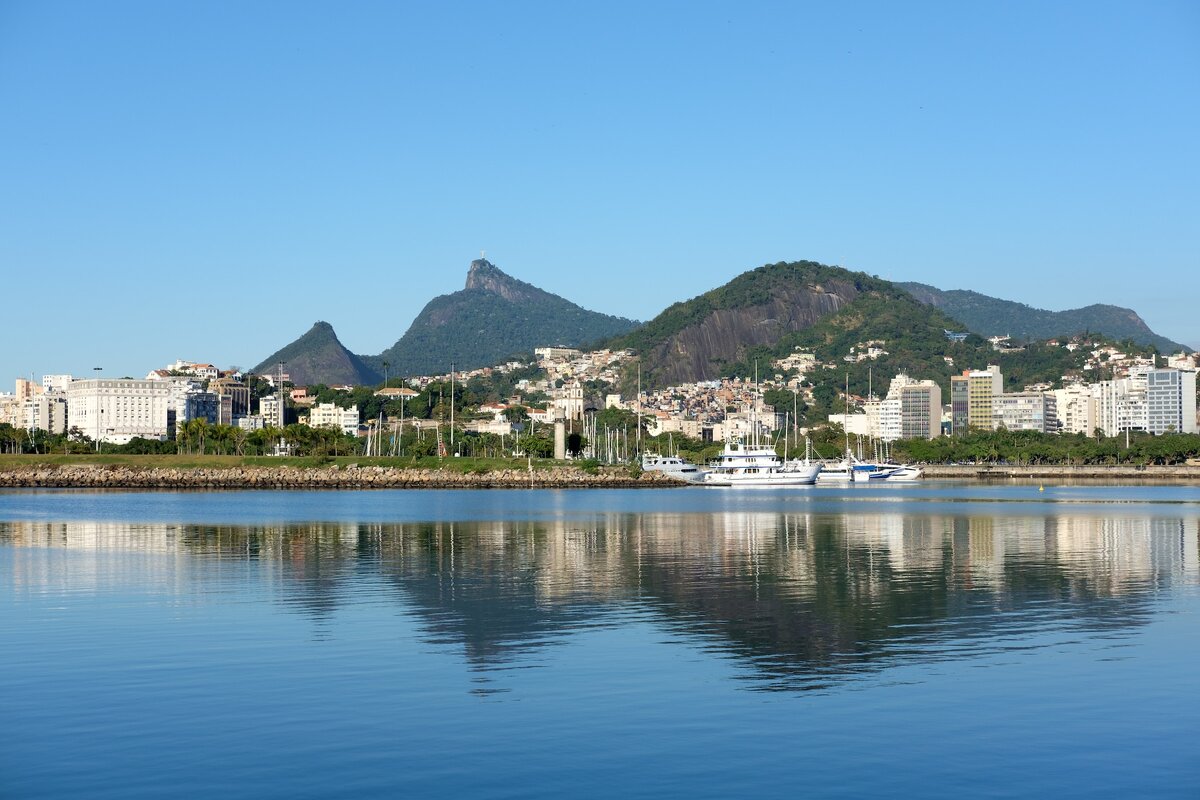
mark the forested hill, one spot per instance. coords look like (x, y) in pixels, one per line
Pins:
(991, 316)
(775, 310)
(710, 335)
(319, 357)
(493, 318)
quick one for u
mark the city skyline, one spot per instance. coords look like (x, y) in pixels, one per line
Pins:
(206, 182)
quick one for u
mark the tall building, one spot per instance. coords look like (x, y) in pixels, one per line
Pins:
(1121, 404)
(1171, 401)
(119, 410)
(971, 398)
(920, 409)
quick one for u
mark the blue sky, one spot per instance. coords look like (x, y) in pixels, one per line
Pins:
(206, 180)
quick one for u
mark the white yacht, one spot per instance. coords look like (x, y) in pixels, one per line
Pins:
(674, 466)
(852, 470)
(741, 464)
(900, 473)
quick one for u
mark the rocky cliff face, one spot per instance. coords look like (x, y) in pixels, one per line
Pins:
(697, 339)
(697, 353)
(487, 277)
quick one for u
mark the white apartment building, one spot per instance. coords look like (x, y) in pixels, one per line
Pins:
(1121, 404)
(119, 410)
(889, 418)
(271, 410)
(911, 410)
(326, 415)
(1025, 411)
(1076, 409)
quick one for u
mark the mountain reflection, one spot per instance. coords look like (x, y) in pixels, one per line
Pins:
(800, 599)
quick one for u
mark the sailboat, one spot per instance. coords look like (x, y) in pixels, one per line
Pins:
(851, 469)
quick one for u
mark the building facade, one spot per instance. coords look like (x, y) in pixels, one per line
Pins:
(971, 398)
(1171, 401)
(47, 412)
(119, 410)
(326, 415)
(1076, 409)
(1025, 411)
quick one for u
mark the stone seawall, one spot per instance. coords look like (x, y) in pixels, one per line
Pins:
(1100, 472)
(77, 476)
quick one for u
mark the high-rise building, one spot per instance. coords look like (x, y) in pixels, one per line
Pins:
(971, 398)
(920, 410)
(1121, 404)
(1171, 401)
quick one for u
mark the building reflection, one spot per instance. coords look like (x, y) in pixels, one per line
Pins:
(798, 597)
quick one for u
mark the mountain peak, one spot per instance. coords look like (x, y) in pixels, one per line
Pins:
(319, 357)
(493, 318)
(487, 277)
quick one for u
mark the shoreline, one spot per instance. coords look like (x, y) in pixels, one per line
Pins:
(354, 476)
(1187, 473)
(112, 476)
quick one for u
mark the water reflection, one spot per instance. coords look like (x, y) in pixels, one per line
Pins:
(800, 599)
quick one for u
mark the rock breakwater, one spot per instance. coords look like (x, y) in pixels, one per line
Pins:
(107, 476)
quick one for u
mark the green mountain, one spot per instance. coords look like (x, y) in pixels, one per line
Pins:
(318, 357)
(493, 318)
(778, 309)
(991, 316)
(707, 336)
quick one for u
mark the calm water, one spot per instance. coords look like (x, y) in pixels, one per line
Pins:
(935, 640)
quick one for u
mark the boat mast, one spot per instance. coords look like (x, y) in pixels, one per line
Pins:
(846, 419)
(639, 408)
